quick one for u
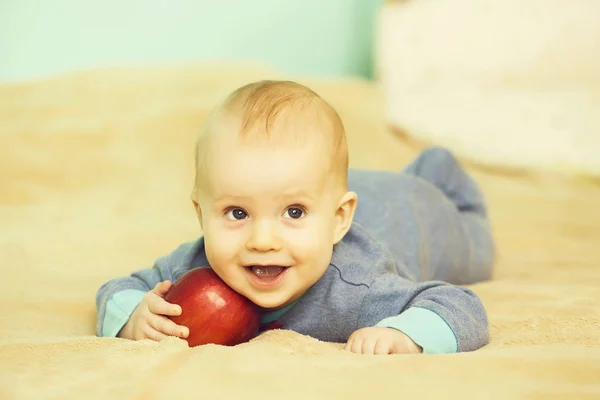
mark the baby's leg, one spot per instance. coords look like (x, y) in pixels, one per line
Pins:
(431, 216)
(439, 167)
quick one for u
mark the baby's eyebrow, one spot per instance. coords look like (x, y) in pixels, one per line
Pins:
(229, 197)
(300, 196)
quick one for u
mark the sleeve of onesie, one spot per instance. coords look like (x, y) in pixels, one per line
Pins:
(117, 299)
(438, 316)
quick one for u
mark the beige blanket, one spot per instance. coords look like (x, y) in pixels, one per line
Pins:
(95, 172)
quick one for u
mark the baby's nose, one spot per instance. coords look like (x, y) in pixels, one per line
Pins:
(264, 237)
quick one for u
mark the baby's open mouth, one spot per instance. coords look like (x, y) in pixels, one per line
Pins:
(266, 271)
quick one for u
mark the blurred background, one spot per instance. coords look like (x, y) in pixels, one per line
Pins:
(511, 83)
(40, 38)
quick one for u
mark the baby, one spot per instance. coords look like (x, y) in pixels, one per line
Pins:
(282, 225)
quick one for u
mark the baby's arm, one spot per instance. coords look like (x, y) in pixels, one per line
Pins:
(117, 299)
(437, 316)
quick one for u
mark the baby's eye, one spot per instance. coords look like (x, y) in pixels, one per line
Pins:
(295, 212)
(236, 214)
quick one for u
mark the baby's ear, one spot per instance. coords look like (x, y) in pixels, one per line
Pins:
(194, 199)
(344, 215)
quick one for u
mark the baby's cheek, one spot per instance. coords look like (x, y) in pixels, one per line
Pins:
(223, 258)
(302, 242)
(221, 247)
(312, 247)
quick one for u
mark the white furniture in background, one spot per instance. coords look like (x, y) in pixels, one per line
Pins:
(510, 83)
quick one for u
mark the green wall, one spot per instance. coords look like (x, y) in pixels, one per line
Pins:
(328, 38)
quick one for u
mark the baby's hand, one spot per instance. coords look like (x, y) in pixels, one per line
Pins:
(149, 321)
(376, 340)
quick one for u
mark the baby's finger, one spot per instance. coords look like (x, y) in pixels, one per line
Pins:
(350, 342)
(153, 334)
(356, 346)
(158, 305)
(168, 327)
(368, 345)
(348, 345)
(161, 288)
(383, 347)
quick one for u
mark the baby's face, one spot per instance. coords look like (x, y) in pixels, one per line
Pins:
(268, 213)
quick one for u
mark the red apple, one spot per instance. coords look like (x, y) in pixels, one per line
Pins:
(211, 310)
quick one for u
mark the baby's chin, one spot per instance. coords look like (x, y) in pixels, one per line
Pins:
(269, 305)
(269, 302)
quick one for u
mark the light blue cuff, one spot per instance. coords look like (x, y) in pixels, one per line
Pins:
(425, 328)
(118, 310)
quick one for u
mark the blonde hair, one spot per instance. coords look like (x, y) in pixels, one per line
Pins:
(258, 107)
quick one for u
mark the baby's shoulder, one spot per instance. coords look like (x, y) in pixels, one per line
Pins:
(185, 256)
